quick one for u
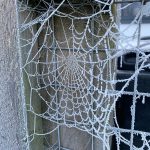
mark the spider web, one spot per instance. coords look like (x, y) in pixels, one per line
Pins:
(69, 52)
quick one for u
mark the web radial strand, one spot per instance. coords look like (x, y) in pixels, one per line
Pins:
(71, 51)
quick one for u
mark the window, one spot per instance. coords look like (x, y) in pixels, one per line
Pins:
(129, 14)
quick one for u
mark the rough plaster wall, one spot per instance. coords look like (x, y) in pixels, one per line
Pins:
(11, 131)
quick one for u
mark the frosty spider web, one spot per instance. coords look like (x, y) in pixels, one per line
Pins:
(69, 63)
